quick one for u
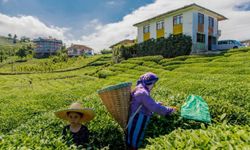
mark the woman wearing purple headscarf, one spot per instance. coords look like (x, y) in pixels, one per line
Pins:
(141, 108)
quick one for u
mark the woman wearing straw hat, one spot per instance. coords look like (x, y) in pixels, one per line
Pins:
(76, 115)
(141, 108)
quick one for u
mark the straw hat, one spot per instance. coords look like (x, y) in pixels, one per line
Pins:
(88, 113)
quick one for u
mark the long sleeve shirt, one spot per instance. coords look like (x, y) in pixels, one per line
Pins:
(79, 138)
(141, 96)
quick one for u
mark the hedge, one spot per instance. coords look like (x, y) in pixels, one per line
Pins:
(174, 45)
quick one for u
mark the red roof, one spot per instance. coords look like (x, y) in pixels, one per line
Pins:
(80, 47)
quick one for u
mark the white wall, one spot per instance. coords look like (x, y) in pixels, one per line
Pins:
(215, 33)
(188, 23)
(195, 30)
(91, 52)
(140, 34)
(168, 25)
(152, 30)
(215, 27)
(206, 30)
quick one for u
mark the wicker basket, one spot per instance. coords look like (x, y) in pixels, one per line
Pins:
(116, 98)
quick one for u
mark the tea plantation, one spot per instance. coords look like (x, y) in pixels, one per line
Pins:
(37, 88)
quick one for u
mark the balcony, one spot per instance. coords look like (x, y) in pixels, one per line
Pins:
(210, 30)
(160, 33)
(201, 28)
(146, 36)
(177, 29)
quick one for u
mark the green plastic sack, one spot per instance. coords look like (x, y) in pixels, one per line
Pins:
(195, 108)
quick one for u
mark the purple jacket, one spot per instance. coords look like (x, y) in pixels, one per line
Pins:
(141, 96)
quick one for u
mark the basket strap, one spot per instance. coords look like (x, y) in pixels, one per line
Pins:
(131, 118)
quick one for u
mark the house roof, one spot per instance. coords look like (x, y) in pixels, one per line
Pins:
(50, 39)
(191, 6)
(126, 41)
(80, 47)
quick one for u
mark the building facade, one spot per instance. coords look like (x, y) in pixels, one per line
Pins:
(246, 43)
(196, 21)
(79, 50)
(47, 46)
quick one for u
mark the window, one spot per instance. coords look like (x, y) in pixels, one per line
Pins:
(210, 22)
(225, 42)
(214, 40)
(200, 38)
(200, 18)
(177, 19)
(75, 51)
(237, 42)
(146, 29)
(159, 25)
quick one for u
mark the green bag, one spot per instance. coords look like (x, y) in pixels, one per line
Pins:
(195, 108)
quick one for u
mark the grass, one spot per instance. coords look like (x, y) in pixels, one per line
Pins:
(4, 41)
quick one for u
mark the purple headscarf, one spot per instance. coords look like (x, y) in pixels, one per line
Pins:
(147, 79)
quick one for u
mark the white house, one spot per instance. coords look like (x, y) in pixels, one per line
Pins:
(196, 21)
(246, 43)
(78, 50)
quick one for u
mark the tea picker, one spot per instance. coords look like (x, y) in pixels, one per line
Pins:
(140, 105)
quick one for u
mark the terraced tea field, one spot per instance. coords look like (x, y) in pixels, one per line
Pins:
(37, 88)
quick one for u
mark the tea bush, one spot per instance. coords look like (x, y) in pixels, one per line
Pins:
(28, 100)
(213, 137)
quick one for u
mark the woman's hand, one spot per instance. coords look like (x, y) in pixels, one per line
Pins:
(161, 103)
(175, 108)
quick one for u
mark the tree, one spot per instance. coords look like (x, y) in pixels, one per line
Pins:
(14, 38)
(1, 55)
(62, 54)
(10, 36)
(63, 49)
(22, 52)
(24, 39)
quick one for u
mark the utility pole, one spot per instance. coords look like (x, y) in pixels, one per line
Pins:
(1, 53)
(12, 63)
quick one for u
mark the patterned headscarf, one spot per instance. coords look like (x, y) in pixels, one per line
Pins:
(147, 79)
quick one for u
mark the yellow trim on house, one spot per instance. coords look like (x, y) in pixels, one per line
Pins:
(210, 30)
(146, 36)
(160, 33)
(200, 28)
(177, 29)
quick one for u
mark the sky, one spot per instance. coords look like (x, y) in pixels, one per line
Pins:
(101, 23)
